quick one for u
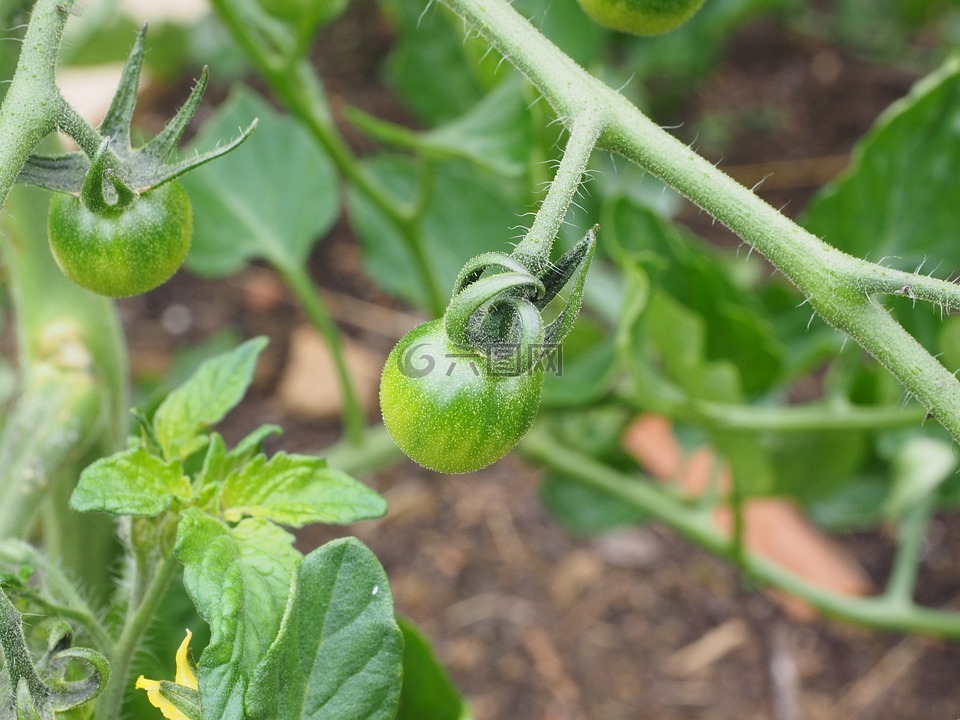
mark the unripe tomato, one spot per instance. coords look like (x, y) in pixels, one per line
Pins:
(641, 17)
(445, 410)
(122, 251)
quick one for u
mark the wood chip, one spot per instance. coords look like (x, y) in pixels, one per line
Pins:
(708, 649)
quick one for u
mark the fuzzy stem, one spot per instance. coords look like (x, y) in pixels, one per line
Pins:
(31, 107)
(534, 249)
(110, 703)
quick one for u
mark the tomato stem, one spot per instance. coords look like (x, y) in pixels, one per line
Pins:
(534, 249)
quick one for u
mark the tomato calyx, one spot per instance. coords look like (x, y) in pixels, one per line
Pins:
(92, 194)
(497, 303)
(137, 170)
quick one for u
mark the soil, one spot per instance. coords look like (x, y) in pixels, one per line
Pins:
(531, 622)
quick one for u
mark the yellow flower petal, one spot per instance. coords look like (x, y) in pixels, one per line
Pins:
(185, 676)
(157, 700)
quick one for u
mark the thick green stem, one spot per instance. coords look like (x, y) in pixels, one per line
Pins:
(31, 107)
(877, 612)
(837, 284)
(308, 297)
(14, 646)
(534, 249)
(111, 702)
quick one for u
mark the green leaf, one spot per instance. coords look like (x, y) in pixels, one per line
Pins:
(132, 482)
(340, 652)
(678, 338)
(429, 66)
(808, 465)
(272, 201)
(495, 134)
(297, 490)
(897, 202)
(215, 388)
(699, 278)
(238, 578)
(584, 368)
(470, 212)
(427, 693)
(251, 446)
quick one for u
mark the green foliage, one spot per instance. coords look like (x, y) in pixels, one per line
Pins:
(238, 578)
(243, 202)
(238, 564)
(297, 490)
(495, 134)
(339, 653)
(896, 202)
(133, 482)
(427, 693)
(213, 390)
(430, 65)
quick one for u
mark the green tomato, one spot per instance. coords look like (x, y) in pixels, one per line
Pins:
(641, 17)
(122, 251)
(445, 410)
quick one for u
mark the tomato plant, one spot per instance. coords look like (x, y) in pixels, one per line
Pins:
(543, 340)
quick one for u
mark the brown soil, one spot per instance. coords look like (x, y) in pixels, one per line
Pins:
(533, 623)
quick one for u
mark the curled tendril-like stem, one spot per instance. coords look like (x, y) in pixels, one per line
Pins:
(499, 315)
(140, 168)
(37, 697)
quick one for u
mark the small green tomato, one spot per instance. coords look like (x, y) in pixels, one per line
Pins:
(445, 410)
(122, 251)
(641, 17)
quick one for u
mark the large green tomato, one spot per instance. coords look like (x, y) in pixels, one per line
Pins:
(122, 252)
(445, 410)
(641, 17)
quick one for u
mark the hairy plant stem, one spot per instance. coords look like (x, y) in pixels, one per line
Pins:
(31, 107)
(839, 286)
(882, 612)
(297, 85)
(138, 620)
(534, 249)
